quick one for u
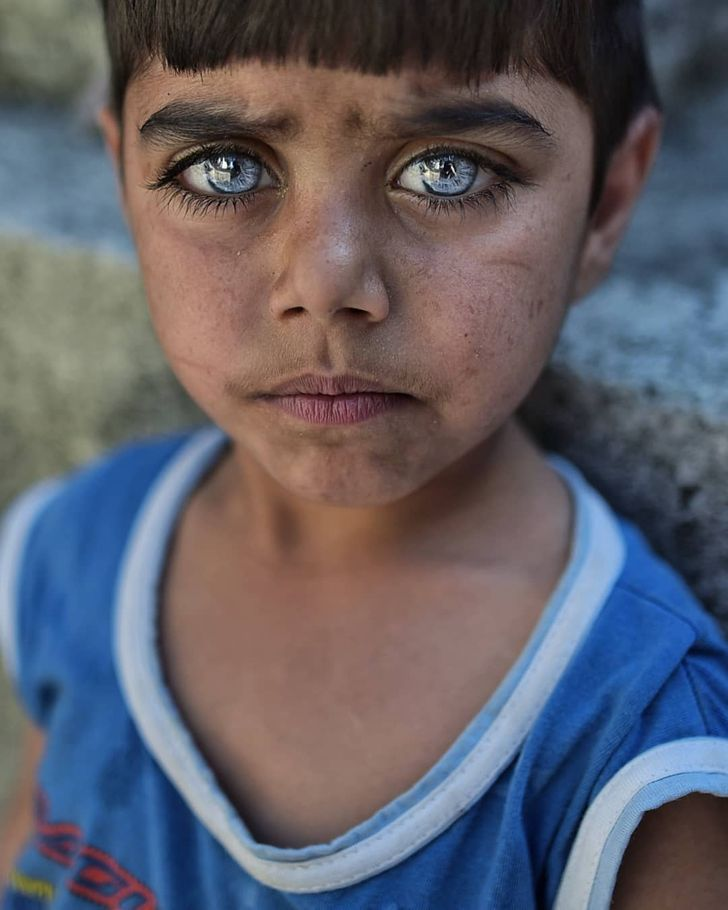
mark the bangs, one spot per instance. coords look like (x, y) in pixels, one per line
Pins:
(465, 38)
(596, 48)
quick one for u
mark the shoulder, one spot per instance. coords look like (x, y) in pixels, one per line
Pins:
(676, 858)
(66, 529)
(656, 585)
(61, 518)
(647, 613)
(114, 481)
(652, 640)
(118, 479)
(654, 663)
(670, 638)
(677, 787)
(657, 666)
(663, 665)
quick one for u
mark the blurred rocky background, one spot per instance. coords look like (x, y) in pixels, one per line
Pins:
(637, 394)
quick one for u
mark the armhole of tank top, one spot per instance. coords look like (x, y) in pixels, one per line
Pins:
(17, 526)
(659, 776)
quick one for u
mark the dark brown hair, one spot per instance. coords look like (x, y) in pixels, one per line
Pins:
(594, 47)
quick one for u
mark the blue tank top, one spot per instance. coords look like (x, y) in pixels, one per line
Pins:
(617, 704)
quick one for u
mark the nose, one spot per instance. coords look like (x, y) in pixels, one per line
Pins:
(329, 263)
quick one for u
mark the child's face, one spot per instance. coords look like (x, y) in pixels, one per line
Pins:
(339, 265)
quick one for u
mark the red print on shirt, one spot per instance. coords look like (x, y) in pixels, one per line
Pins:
(97, 877)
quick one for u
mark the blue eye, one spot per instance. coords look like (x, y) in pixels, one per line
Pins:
(224, 177)
(227, 174)
(440, 174)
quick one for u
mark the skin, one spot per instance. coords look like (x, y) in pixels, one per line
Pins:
(339, 273)
(18, 816)
(336, 270)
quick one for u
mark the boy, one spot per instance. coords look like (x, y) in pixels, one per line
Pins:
(361, 644)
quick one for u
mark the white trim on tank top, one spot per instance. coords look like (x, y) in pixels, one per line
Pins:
(442, 795)
(17, 527)
(658, 776)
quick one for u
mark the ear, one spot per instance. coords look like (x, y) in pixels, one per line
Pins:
(626, 176)
(110, 127)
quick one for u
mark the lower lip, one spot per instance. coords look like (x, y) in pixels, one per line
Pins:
(337, 409)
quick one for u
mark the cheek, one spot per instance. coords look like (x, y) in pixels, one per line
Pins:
(493, 324)
(500, 345)
(195, 281)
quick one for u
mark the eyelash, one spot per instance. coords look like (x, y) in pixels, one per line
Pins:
(191, 203)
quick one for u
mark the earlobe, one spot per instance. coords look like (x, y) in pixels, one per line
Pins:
(624, 181)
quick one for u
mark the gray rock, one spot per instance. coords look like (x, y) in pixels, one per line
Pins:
(688, 44)
(68, 197)
(49, 49)
(65, 401)
(662, 465)
(10, 724)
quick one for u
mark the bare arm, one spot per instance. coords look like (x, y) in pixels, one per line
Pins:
(17, 825)
(676, 858)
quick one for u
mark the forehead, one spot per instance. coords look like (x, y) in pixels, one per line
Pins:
(299, 96)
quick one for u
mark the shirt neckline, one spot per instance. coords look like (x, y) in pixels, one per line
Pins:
(452, 785)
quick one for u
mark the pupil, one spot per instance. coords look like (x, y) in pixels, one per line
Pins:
(448, 175)
(224, 167)
(232, 173)
(448, 170)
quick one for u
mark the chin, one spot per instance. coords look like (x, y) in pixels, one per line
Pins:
(346, 485)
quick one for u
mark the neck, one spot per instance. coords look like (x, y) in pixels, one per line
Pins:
(470, 509)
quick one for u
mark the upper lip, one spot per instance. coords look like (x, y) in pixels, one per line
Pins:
(313, 384)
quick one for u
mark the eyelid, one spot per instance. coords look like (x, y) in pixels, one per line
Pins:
(180, 163)
(194, 203)
(443, 148)
(169, 172)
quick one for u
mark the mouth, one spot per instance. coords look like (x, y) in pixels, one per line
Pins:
(334, 400)
(313, 384)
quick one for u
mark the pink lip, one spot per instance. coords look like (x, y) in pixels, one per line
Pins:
(337, 409)
(312, 384)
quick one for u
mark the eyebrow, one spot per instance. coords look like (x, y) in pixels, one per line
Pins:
(473, 115)
(193, 121)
